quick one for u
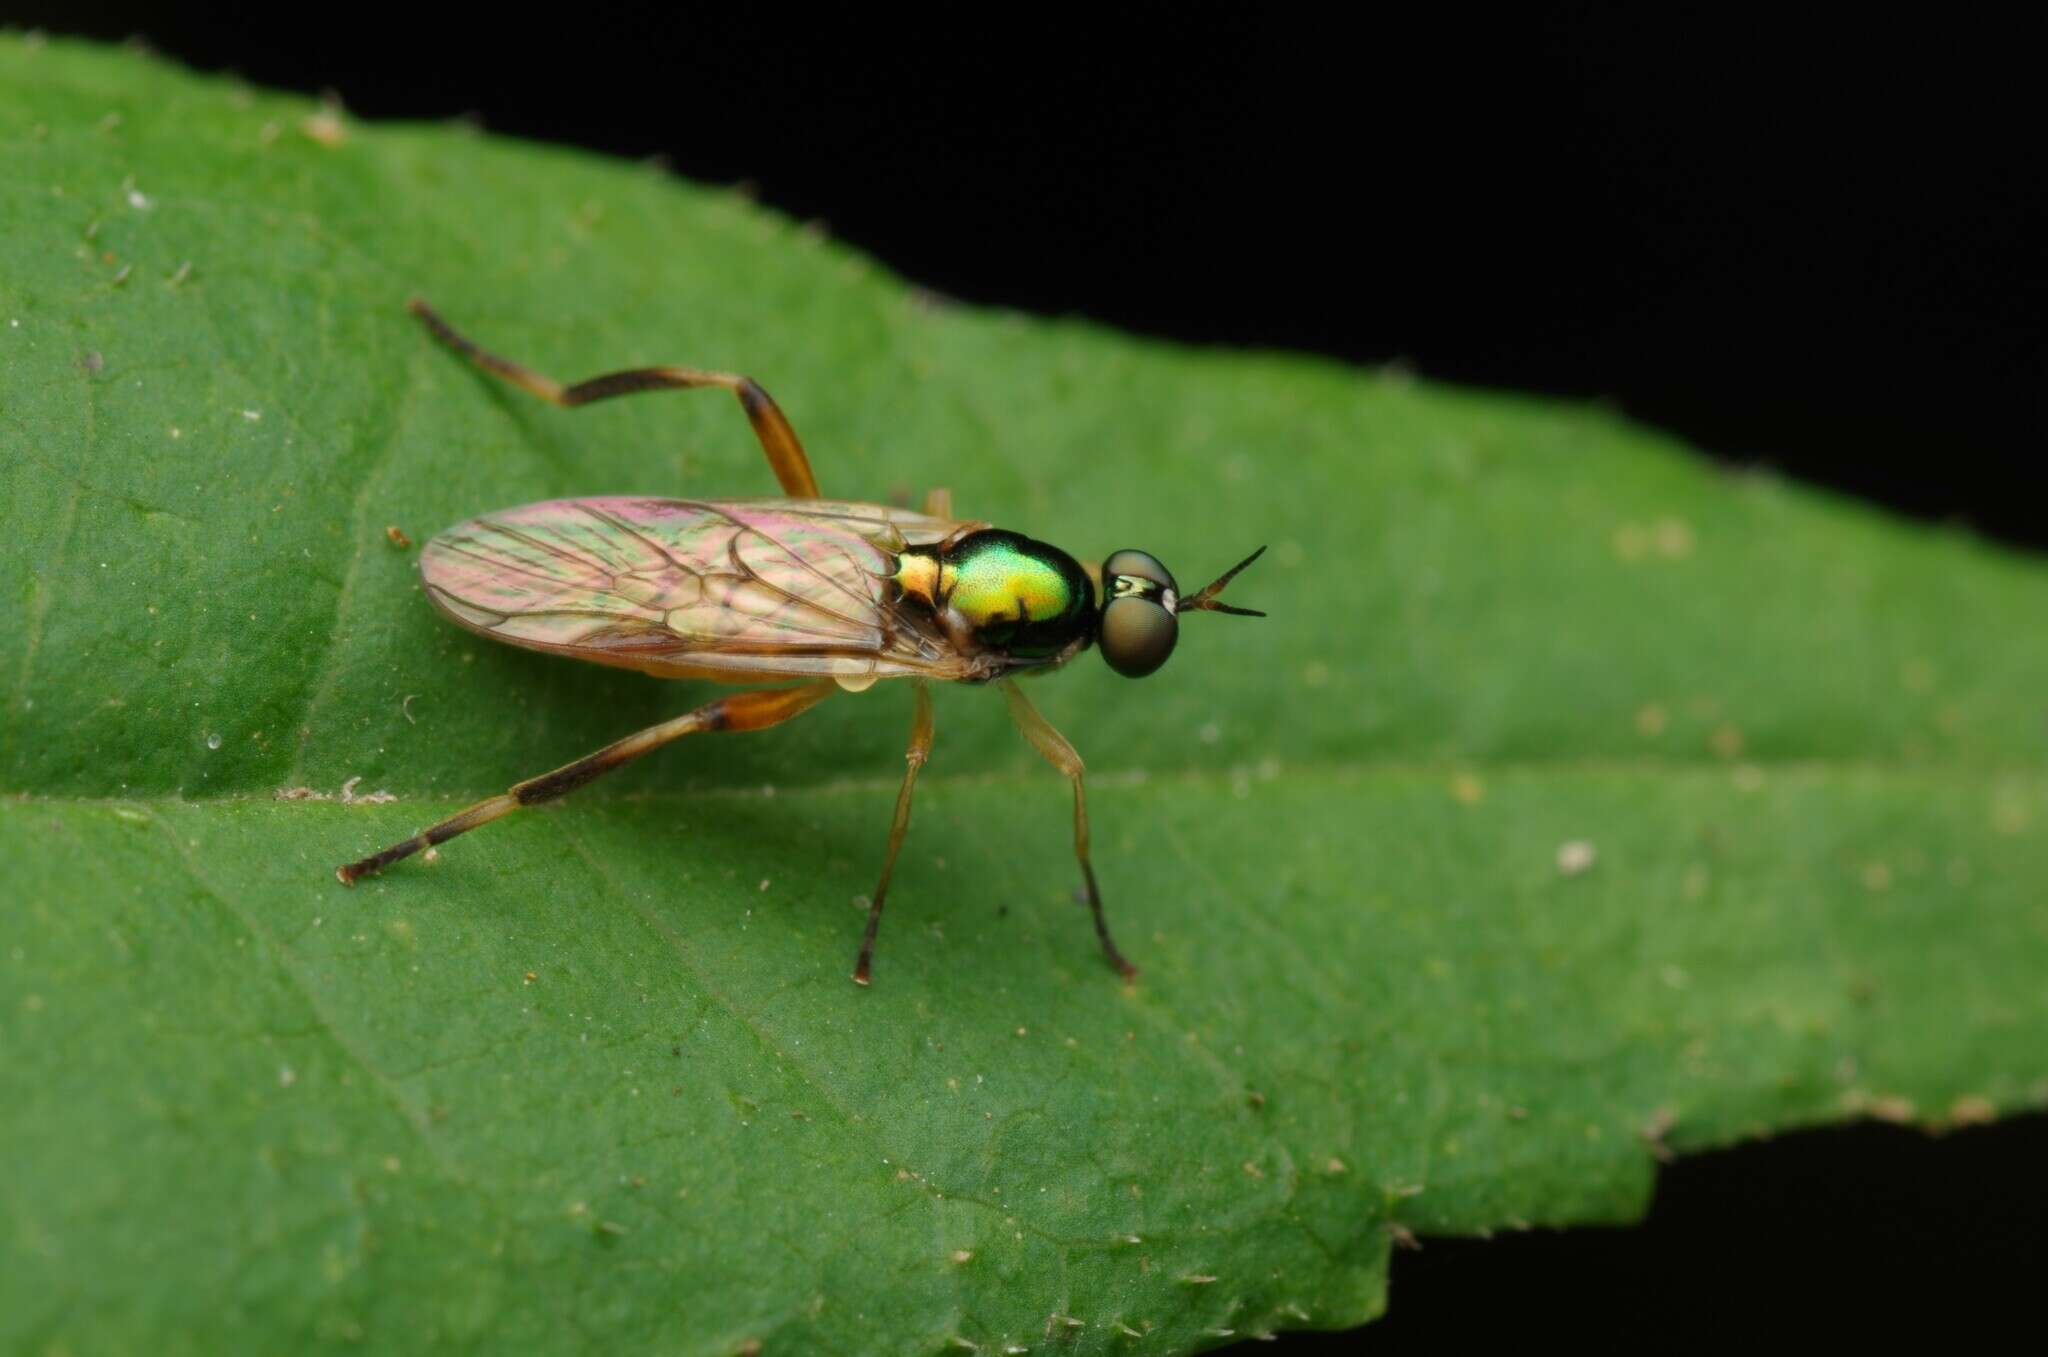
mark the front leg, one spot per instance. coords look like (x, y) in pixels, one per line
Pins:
(1060, 754)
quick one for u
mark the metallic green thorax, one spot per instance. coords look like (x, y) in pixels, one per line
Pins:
(1023, 597)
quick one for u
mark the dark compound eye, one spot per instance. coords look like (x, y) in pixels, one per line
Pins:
(1139, 564)
(1137, 634)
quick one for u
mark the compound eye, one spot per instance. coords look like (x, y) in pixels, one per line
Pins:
(1141, 564)
(1137, 634)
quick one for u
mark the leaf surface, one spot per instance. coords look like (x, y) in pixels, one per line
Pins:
(1579, 801)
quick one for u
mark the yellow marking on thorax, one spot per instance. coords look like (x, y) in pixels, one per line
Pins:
(921, 578)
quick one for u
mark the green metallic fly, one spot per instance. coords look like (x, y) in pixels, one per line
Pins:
(835, 593)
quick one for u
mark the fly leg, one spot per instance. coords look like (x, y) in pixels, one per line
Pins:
(785, 454)
(1060, 754)
(920, 750)
(742, 711)
(938, 503)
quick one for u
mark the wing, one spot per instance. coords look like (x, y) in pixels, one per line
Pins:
(890, 528)
(725, 589)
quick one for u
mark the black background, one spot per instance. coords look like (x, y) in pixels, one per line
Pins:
(1812, 243)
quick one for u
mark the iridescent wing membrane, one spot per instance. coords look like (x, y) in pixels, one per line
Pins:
(722, 589)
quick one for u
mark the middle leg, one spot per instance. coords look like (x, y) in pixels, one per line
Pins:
(920, 750)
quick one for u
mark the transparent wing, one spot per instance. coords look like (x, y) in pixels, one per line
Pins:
(696, 588)
(890, 528)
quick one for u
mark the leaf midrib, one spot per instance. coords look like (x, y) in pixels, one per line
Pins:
(1338, 773)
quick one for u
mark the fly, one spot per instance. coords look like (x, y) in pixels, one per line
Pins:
(833, 593)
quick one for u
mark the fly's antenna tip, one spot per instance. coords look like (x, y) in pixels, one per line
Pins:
(1206, 600)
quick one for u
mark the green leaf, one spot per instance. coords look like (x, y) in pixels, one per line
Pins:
(1578, 801)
